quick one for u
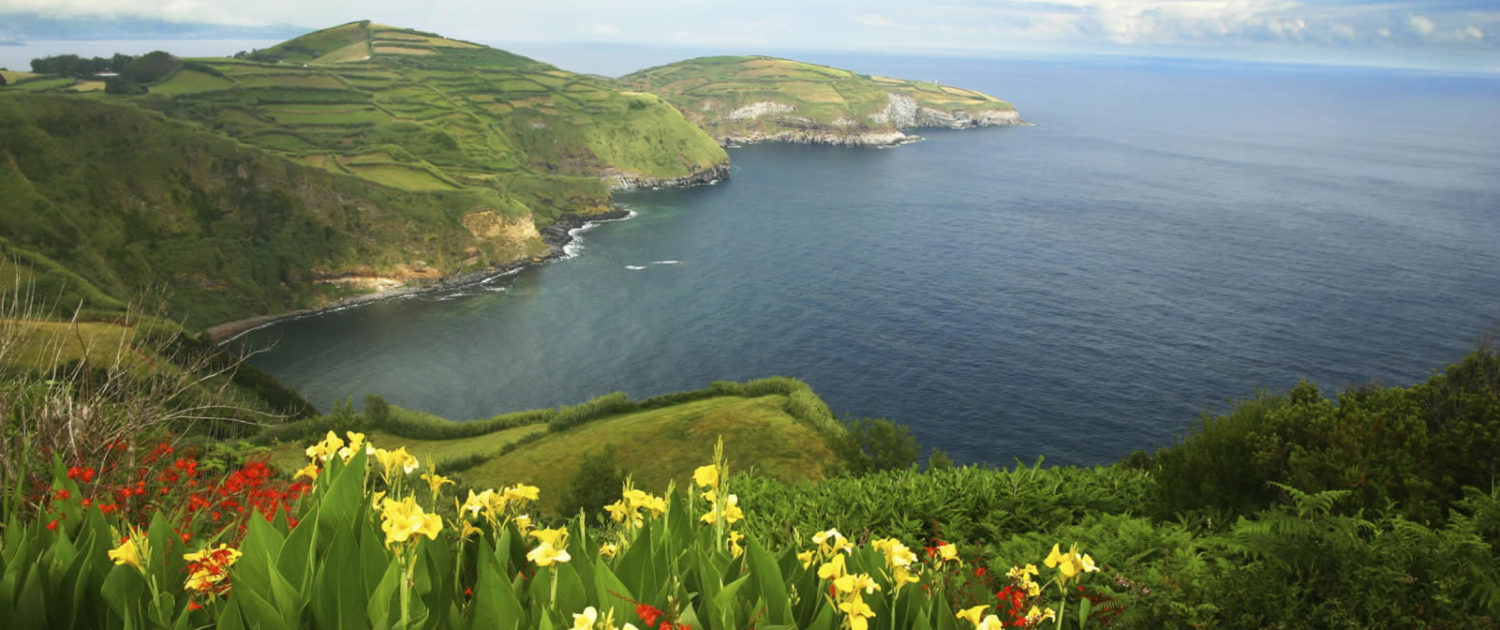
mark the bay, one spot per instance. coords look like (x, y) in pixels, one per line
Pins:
(1168, 237)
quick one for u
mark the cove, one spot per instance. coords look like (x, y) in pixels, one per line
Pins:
(1165, 239)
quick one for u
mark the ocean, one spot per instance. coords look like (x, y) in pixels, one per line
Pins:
(1168, 237)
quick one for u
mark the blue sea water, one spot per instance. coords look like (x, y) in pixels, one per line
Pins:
(1168, 236)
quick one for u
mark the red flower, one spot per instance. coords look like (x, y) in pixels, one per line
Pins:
(469, 592)
(647, 613)
(53, 525)
(192, 605)
(83, 472)
(980, 571)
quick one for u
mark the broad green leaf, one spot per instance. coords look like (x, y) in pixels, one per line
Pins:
(772, 588)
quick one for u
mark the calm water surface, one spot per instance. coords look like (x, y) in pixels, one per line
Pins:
(1165, 239)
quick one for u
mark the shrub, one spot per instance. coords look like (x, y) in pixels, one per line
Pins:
(595, 485)
(870, 445)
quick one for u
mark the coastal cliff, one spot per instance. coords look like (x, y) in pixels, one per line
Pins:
(742, 100)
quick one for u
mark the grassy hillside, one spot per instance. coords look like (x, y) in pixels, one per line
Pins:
(225, 230)
(750, 98)
(354, 159)
(776, 427)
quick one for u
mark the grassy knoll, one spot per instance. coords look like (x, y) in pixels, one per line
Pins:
(663, 445)
(775, 426)
(740, 97)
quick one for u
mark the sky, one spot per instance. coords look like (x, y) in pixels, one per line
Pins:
(1459, 35)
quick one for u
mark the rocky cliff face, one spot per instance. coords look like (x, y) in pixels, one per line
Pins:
(623, 181)
(884, 128)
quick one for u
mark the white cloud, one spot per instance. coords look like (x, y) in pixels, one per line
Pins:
(1343, 32)
(1423, 24)
(1383, 32)
(872, 20)
(605, 30)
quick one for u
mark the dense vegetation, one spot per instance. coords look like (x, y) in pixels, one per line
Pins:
(1375, 508)
(749, 98)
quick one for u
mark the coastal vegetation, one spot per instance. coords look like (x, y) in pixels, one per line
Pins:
(1374, 508)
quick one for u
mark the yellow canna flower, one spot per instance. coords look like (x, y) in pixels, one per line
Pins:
(435, 481)
(971, 614)
(208, 567)
(323, 450)
(477, 502)
(897, 555)
(545, 554)
(467, 529)
(1035, 616)
(356, 441)
(706, 476)
(621, 512)
(855, 582)
(901, 576)
(521, 494)
(859, 613)
(734, 544)
(609, 550)
(948, 552)
(128, 553)
(831, 542)
(555, 537)
(1020, 574)
(832, 569)
(1053, 558)
(310, 471)
(586, 620)
(395, 460)
(1088, 564)
(806, 558)
(400, 520)
(991, 622)
(376, 499)
(523, 523)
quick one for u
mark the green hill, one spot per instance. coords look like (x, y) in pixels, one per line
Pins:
(352, 160)
(776, 427)
(754, 99)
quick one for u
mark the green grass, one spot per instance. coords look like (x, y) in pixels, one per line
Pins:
(400, 176)
(663, 445)
(290, 456)
(191, 82)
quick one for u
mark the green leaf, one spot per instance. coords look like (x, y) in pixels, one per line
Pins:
(384, 608)
(768, 579)
(295, 562)
(339, 598)
(612, 593)
(494, 604)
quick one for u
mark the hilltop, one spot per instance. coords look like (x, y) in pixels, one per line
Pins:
(758, 99)
(361, 159)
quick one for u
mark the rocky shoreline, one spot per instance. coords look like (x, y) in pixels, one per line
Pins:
(621, 181)
(557, 236)
(903, 114)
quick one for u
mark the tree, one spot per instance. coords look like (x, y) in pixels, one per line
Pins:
(596, 484)
(151, 67)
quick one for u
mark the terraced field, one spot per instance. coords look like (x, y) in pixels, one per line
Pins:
(463, 112)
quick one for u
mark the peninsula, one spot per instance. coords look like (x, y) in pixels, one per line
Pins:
(764, 99)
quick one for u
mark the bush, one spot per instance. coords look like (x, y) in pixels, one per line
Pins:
(595, 485)
(151, 67)
(1413, 449)
(123, 85)
(873, 445)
